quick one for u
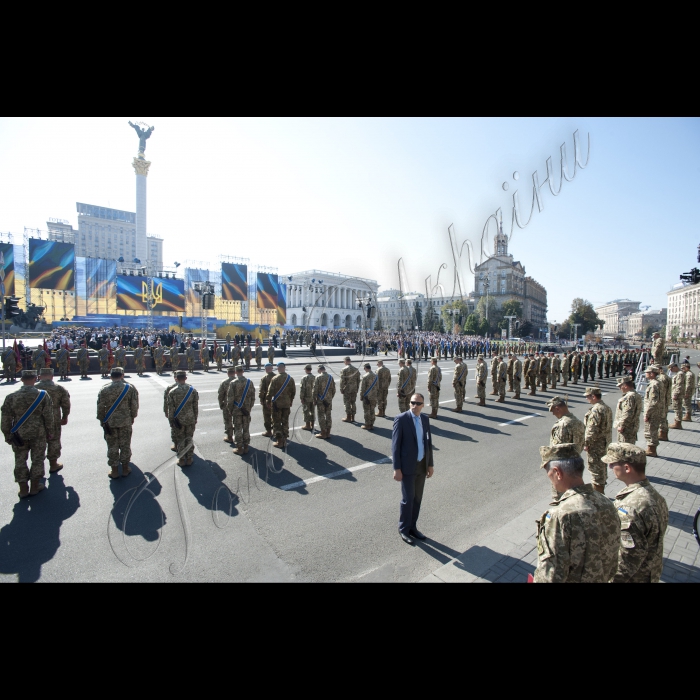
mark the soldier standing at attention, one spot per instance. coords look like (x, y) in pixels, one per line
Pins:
(103, 355)
(414, 377)
(434, 382)
(592, 364)
(517, 375)
(280, 398)
(598, 436)
(384, 375)
(565, 369)
(643, 515)
(576, 366)
(629, 410)
(191, 355)
(258, 354)
(219, 357)
(481, 377)
(182, 412)
(9, 364)
(247, 355)
(368, 392)
(502, 371)
(459, 382)
(39, 358)
(653, 406)
(240, 401)
(665, 392)
(174, 357)
(120, 356)
(657, 349)
(567, 430)
(578, 538)
(324, 391)
(263, 390)
(607, 360)
(402, 383)
(677, 395)
(306, 396)
(689, 391)
(511, 362)
(494, 376)
(83, 357)
(532, 375)
(556, 370)
(222, 394)
(349, 386)
(62, 360)
(204, 356)
(27, 422)
(159, 358)
(117, 408)
(544, 371)
(526, 371)
(139, 359)
(600, 361)
(270, 351)
(60, 401)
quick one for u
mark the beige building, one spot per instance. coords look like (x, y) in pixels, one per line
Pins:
(684, 311)
(614, 315)
(654, 318)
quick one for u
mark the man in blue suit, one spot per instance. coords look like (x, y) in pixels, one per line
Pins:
(412, 454)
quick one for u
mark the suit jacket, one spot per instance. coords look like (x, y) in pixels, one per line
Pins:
(404, 443)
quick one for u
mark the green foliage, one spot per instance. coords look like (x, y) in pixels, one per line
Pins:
(378, 326)
(431, 321)
(449, 318)
(512, 308)
(495, 314)
(583, 313)
(419, 316)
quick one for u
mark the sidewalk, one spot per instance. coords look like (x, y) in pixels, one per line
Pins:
(510, 554)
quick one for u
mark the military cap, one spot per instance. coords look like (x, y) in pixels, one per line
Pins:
(567, 450)
(481, 357)
(322, 366)
(624, 452)
(627, 379)
(28, 373)
(281, 364)
(309, 367)
(651, 368)
(368, 366)
(46, 370)
(592, 391)
(269, 364)
(116, 372)
(231, 369)
(181, 374)
(241, 367)
(673, 364)
(556, 401)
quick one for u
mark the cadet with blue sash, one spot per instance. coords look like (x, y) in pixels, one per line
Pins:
(182, 412)
(27, 422)
(240, 399)
(324, 391)
(280, 398)
(117, 408)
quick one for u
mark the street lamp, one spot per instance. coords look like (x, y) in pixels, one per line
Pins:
(641, 328)
(487, 284)
(510, 322)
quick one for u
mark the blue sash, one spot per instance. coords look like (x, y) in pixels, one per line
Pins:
(328, 386)
(116, 403)
(284, 386)
(28, 412)
(184, 401)
(459, 379)
(245, 393)
(61, 354)
(407, 381)
(376, 379)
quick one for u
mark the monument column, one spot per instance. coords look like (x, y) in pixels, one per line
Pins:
(141, 166)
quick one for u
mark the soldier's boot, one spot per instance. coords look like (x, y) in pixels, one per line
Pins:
(239, 450)
(663, 435)
(321, 435)
(565, 383)
(23, 490)
(347, 419)
(173, 448)
(182, 462)
(517, 396)
(434, 413)
(126, 469)
(458, 410)
(493, 393)
(482, 402)
(367, 427)
(687, 417)
(307, 426)
(114, 474)
(54, 466)
(380, 414)
(36, 487)
(245, 449)
(676, 426)
(651, 451)
(599, 489)
(190, 461)
(229, 438)
(267, 433)
(532, 393)
(501, 399)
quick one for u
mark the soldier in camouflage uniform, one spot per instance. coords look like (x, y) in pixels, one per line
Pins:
(324, 391)
(384, 375)
(60, 400)
(598, 422)
(9, 364)
(657, 349)
(665, 393)
(223, 392)
(120, 357)
(39, 358)
(349, 386)
(263, 390)
(247, 355)
(280, 399)
(511, 362)
(191, 355)
(494, 376)
(219, 358)
(643, 515)
(182, 410)
(481, 377)
(567, 430)
(140, 360)
(677, 395)
(368, 395)
(32, 434)
(258, 354)
(517, 376)
(240, 401)
(174, 357)
(270, 351)
(459, 384)
(205, 356)
(83, 357)
(578, 538)
(434, 382)
(532, 375)
(556, 371)
(306, 396)
(63, 363)
(159, 358)
(544, 371)
(608, 363)
(118, 430)
(629, 410)
(689, 392)
(653, 407)
(576, 367)
(103, 355)
(502, 372)
(526, 371)
(413, 372)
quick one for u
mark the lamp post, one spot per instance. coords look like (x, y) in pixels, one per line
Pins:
(487, 284)
(510, 322)
(641, 328)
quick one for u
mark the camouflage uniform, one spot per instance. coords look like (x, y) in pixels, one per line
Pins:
(247, 356)
(120, 357)
(459, 382)
(653, 407)
(174, 358)
(598, 436)
(228, 419)
(39, 358)
(677, 395)
(33, 432)
(83, 357)
(263, 391)
(556, 371)
(120, 422)
(191, 355)
(434, 381)
(349, 386)
(689, 393)
(629, 411)
(103, 355)
(665, 392)
(270, 353)
(384, 375)
(657, 350)
(517, 376)
(282, 405)
(481, 377)
(368, 395)
(62, 362)
(139, 361)
(9, 364)
(187, 418)
(568, 429)
(240, 409)
(306, 396)
(532, 376)
(60, 400)
(219, 358)
(544, 371)
(502, 372)
(258, 355)
(576, 367)
(494, 377)
(578, 539)
(205, 356)
(159, 358)
(511, 363)
(323, 398)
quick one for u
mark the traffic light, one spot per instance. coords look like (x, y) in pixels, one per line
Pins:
(11, 307)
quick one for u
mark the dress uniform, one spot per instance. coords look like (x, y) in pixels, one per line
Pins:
(263, 390)
(27, 422)
(240, 400)
(280, 398)
(183, 411)
(349, 386)
(434, 382)
(368, 395)
(223, 392)
(60, 401)
(117, 409)
(324, 391)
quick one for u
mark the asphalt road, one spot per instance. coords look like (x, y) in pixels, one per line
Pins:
(322, 511)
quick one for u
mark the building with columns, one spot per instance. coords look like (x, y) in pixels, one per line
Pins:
(683, 311)
(327, 299)
(651, 318)
(397, 311)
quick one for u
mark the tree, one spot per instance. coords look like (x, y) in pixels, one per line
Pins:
(583, 314)
(472, 324)
(431, 319)
(419, 316)
(526, 329)
(454, 312)
(675, 332)
(495, 314)
(378, 323)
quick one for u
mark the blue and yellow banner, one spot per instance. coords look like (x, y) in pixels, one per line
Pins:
(8, 252)
(268, 289)
(51, 265)
(133, 292)
(234, 282)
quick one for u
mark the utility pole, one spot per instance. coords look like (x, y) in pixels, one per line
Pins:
(576, 327)
(510, 323)
(487, 284)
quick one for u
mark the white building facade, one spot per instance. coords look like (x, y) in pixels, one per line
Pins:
(652, 318)
(397, 311)
(615, 316)
(684, 311)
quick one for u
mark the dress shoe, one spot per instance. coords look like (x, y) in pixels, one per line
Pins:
(418, 535)
(406, 539)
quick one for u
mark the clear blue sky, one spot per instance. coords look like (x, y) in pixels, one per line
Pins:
(353, 195)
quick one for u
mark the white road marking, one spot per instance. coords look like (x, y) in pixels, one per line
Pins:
(520, 420)
(334, 475)
(450, 401)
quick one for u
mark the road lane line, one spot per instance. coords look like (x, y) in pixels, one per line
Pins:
(450, 401)
(334, 475)
(520, 420)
